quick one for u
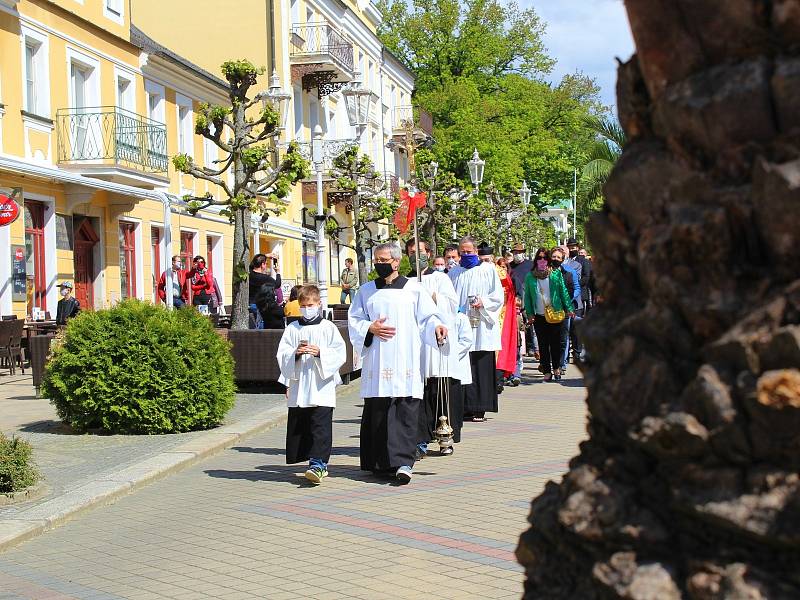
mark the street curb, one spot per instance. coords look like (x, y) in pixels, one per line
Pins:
(108, 488)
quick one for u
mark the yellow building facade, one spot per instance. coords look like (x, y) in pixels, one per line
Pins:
(96, 96)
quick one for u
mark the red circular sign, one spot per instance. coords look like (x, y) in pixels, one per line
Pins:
(9, 210)
(19, 254)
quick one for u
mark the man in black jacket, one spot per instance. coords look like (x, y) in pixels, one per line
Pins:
(586, 272)
(263, 282)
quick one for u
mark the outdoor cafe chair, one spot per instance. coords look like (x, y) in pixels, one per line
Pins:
(11, 344)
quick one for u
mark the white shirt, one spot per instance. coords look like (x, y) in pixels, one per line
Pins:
(484, 282)
(311, 380)
(392, 368)
(441, 290)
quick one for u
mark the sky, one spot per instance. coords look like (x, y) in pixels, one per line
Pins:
(586, 35)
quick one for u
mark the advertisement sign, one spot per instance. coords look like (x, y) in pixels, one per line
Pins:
(18, 276)
(286, 287)
(10, 209)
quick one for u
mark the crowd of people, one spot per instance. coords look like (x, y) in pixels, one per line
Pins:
(436, 350)
(195, 286)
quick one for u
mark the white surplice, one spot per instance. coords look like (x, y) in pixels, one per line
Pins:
(460, 366)
(392, 368)
(436, 361)
(483, 281)
(311, 380)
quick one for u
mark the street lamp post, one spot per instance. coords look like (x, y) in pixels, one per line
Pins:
(318, 158)
(356, 99)
(279, 98)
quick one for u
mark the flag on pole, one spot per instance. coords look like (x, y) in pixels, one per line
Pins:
(409, 203)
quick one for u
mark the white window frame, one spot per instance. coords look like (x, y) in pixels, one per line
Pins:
(218, 258)
(129, 94)
(139, 266)
(115, 13)
(92, 66)
(158, 91)
(185, 130)
(41, 65)
(210, 151)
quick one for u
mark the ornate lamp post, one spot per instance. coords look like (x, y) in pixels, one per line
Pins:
(525, 194)
(476, 166)
(356, 98)
(318, 158)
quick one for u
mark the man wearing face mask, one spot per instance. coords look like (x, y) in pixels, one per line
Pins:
(389, 321)
(424, 258)
(481, 297)
(68, 306)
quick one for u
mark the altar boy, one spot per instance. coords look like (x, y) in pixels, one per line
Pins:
(310, 354)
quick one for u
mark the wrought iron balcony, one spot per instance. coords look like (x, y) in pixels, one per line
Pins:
(319, 42)
(108, 135)
(392, 182)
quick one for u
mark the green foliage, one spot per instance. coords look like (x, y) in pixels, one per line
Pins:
(253, 156)
(17, 469)
(182, 163)
(603, 154)
(140, 369)
(241, 71)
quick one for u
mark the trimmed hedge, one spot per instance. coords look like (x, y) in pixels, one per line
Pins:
(17, 469)
(140, 369)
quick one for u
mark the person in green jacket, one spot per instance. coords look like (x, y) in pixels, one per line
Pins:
(544, 286)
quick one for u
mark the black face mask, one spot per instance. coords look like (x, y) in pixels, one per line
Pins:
(573, 253)
(555, 263)
(384, 270)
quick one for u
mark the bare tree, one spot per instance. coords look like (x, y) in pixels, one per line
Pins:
(260, 181)
(688, 485)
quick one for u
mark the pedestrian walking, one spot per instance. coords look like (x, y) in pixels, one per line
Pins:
(389, 320)
(263, 286)
(571, 273)
(201, 283)
(349, 281)
(547, 303)
(509, 352)
(310, 354)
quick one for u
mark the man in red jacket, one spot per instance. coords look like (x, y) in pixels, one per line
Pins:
(180, 295)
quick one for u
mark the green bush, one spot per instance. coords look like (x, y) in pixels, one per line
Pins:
(17, 470)
(139, 368)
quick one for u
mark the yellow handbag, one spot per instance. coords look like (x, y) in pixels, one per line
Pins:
(550, 314)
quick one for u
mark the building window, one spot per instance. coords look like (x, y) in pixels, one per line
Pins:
(125, 93)
(36, 96)
(113, 9)
(35, 255)
(210, 152)
(187, 249)
(210, 253)
(185, 129)
(127, 259)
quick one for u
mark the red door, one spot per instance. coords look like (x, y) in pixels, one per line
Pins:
(127, 259)
(187, 249)
(155, 243)
(85, 239)
(35, 259)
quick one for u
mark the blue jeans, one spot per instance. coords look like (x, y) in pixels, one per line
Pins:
(518, 371)
(345, 293)
(178, 302)
(565, 345)
(316, 463)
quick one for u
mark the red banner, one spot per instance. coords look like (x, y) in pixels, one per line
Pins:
(409, 203)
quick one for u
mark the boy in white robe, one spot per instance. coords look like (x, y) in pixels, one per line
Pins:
(310, 354)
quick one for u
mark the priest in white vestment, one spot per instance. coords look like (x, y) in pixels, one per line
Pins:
(481, 298)
(389, 321)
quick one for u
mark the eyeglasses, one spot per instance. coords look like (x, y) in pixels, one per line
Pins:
(383, 260)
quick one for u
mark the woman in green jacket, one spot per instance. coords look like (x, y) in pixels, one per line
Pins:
(544, 286)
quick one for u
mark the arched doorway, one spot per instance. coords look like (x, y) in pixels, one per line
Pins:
(85, 239)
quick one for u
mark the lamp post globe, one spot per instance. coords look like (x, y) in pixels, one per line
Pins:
(525, 194)
(278, 98)
(476, 165)
(356, 98)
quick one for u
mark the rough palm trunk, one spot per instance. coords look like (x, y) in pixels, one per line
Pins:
(688, 485)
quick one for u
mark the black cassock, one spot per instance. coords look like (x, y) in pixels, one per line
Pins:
(481, 395)
(309, 434)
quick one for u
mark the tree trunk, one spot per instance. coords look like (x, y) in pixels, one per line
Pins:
(241, 258)
(688, 484)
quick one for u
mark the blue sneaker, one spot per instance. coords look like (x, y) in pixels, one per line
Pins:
(404, 475)
(316, 474)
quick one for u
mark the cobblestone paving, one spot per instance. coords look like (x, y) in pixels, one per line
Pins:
(243, 524)
(68, 460)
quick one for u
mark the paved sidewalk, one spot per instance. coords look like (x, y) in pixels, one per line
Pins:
(81, 470)
(243, 524)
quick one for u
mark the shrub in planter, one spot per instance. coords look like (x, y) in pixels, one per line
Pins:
(17, 470)
(142, 369)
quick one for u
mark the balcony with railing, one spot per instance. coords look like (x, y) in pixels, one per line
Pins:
(414, 118)
(321, 57)
(107, 140)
